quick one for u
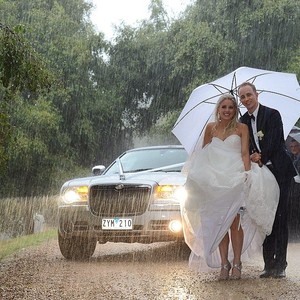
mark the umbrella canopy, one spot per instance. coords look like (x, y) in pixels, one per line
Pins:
(295, 134)
(276, 89)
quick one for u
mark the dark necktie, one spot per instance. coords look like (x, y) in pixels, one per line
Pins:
(252, 142)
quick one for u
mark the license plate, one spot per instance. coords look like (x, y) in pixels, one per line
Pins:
(116, 224)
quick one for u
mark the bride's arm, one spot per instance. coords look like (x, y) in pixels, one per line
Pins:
(245, 147)
(207, 134)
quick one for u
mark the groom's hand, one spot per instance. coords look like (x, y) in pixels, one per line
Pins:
(256, 158)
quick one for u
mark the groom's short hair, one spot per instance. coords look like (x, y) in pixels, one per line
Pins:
(249, 84)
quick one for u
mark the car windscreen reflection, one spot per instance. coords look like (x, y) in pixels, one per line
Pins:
(154, 160)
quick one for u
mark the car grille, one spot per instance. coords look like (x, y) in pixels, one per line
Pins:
(119, 200)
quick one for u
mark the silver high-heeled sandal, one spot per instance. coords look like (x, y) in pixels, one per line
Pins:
(238, 268)
(225, 269)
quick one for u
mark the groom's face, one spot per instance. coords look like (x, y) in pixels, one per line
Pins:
(249, 98)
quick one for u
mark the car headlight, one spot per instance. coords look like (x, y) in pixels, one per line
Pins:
(75, 195)
(175, 226)
(170, 192)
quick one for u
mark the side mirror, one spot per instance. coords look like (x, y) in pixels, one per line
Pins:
(98, 170)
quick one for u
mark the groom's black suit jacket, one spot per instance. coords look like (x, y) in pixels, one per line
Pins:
(273, 150)
(272, 144)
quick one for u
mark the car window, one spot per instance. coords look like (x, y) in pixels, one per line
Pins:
(147, 159)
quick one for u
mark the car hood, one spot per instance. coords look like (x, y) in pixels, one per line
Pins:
(151, 178)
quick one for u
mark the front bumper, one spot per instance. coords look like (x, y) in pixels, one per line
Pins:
(151, 226)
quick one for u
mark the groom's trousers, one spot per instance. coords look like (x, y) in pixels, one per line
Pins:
(275, 245)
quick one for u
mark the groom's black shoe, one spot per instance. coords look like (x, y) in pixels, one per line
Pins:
(280, 273)
(266, 273)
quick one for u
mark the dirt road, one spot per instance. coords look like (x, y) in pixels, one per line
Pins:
(122, 271)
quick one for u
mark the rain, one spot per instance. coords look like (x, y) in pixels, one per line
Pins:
(71, 99)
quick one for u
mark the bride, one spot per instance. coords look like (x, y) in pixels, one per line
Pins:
(231, 202)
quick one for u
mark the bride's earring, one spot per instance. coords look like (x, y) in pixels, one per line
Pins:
(219, 118)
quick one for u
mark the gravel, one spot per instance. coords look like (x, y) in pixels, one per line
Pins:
(135, 271)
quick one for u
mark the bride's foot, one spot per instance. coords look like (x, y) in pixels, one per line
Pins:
(236, 271)
(225, 269)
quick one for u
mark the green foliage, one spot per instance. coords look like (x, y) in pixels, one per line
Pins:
(4, 135)
(160, 133)
(46, 129)
(140, 63)
(294, 64)
(34, 145)
(21, 68)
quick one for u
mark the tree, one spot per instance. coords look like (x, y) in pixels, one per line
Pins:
(82, 111)
(21, 69)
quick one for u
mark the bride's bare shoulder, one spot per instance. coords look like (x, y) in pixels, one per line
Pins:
(211, 124)
(209, 127)
(242, 129)
(242, 126)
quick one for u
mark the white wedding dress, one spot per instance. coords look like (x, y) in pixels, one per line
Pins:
(217, 191)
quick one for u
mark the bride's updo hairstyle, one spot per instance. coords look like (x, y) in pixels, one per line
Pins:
(233, 123)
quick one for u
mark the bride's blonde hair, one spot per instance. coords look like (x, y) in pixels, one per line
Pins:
(233, 123)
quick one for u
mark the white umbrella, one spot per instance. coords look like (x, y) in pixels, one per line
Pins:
(295, 133)
(276, 89)
(296, 136)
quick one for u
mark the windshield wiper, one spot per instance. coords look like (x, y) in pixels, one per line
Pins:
(137, 170)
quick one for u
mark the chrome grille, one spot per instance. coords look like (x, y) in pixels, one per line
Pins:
(119, 200)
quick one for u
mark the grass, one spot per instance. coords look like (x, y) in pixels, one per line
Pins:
(8, 247)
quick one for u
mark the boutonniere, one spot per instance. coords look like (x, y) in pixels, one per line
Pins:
(260, 135)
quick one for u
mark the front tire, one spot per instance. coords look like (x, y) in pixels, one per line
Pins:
(77, 247)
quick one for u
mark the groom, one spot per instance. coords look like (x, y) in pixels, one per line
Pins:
(267, 147)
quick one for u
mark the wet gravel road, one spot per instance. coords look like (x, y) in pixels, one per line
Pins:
(134, 271)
